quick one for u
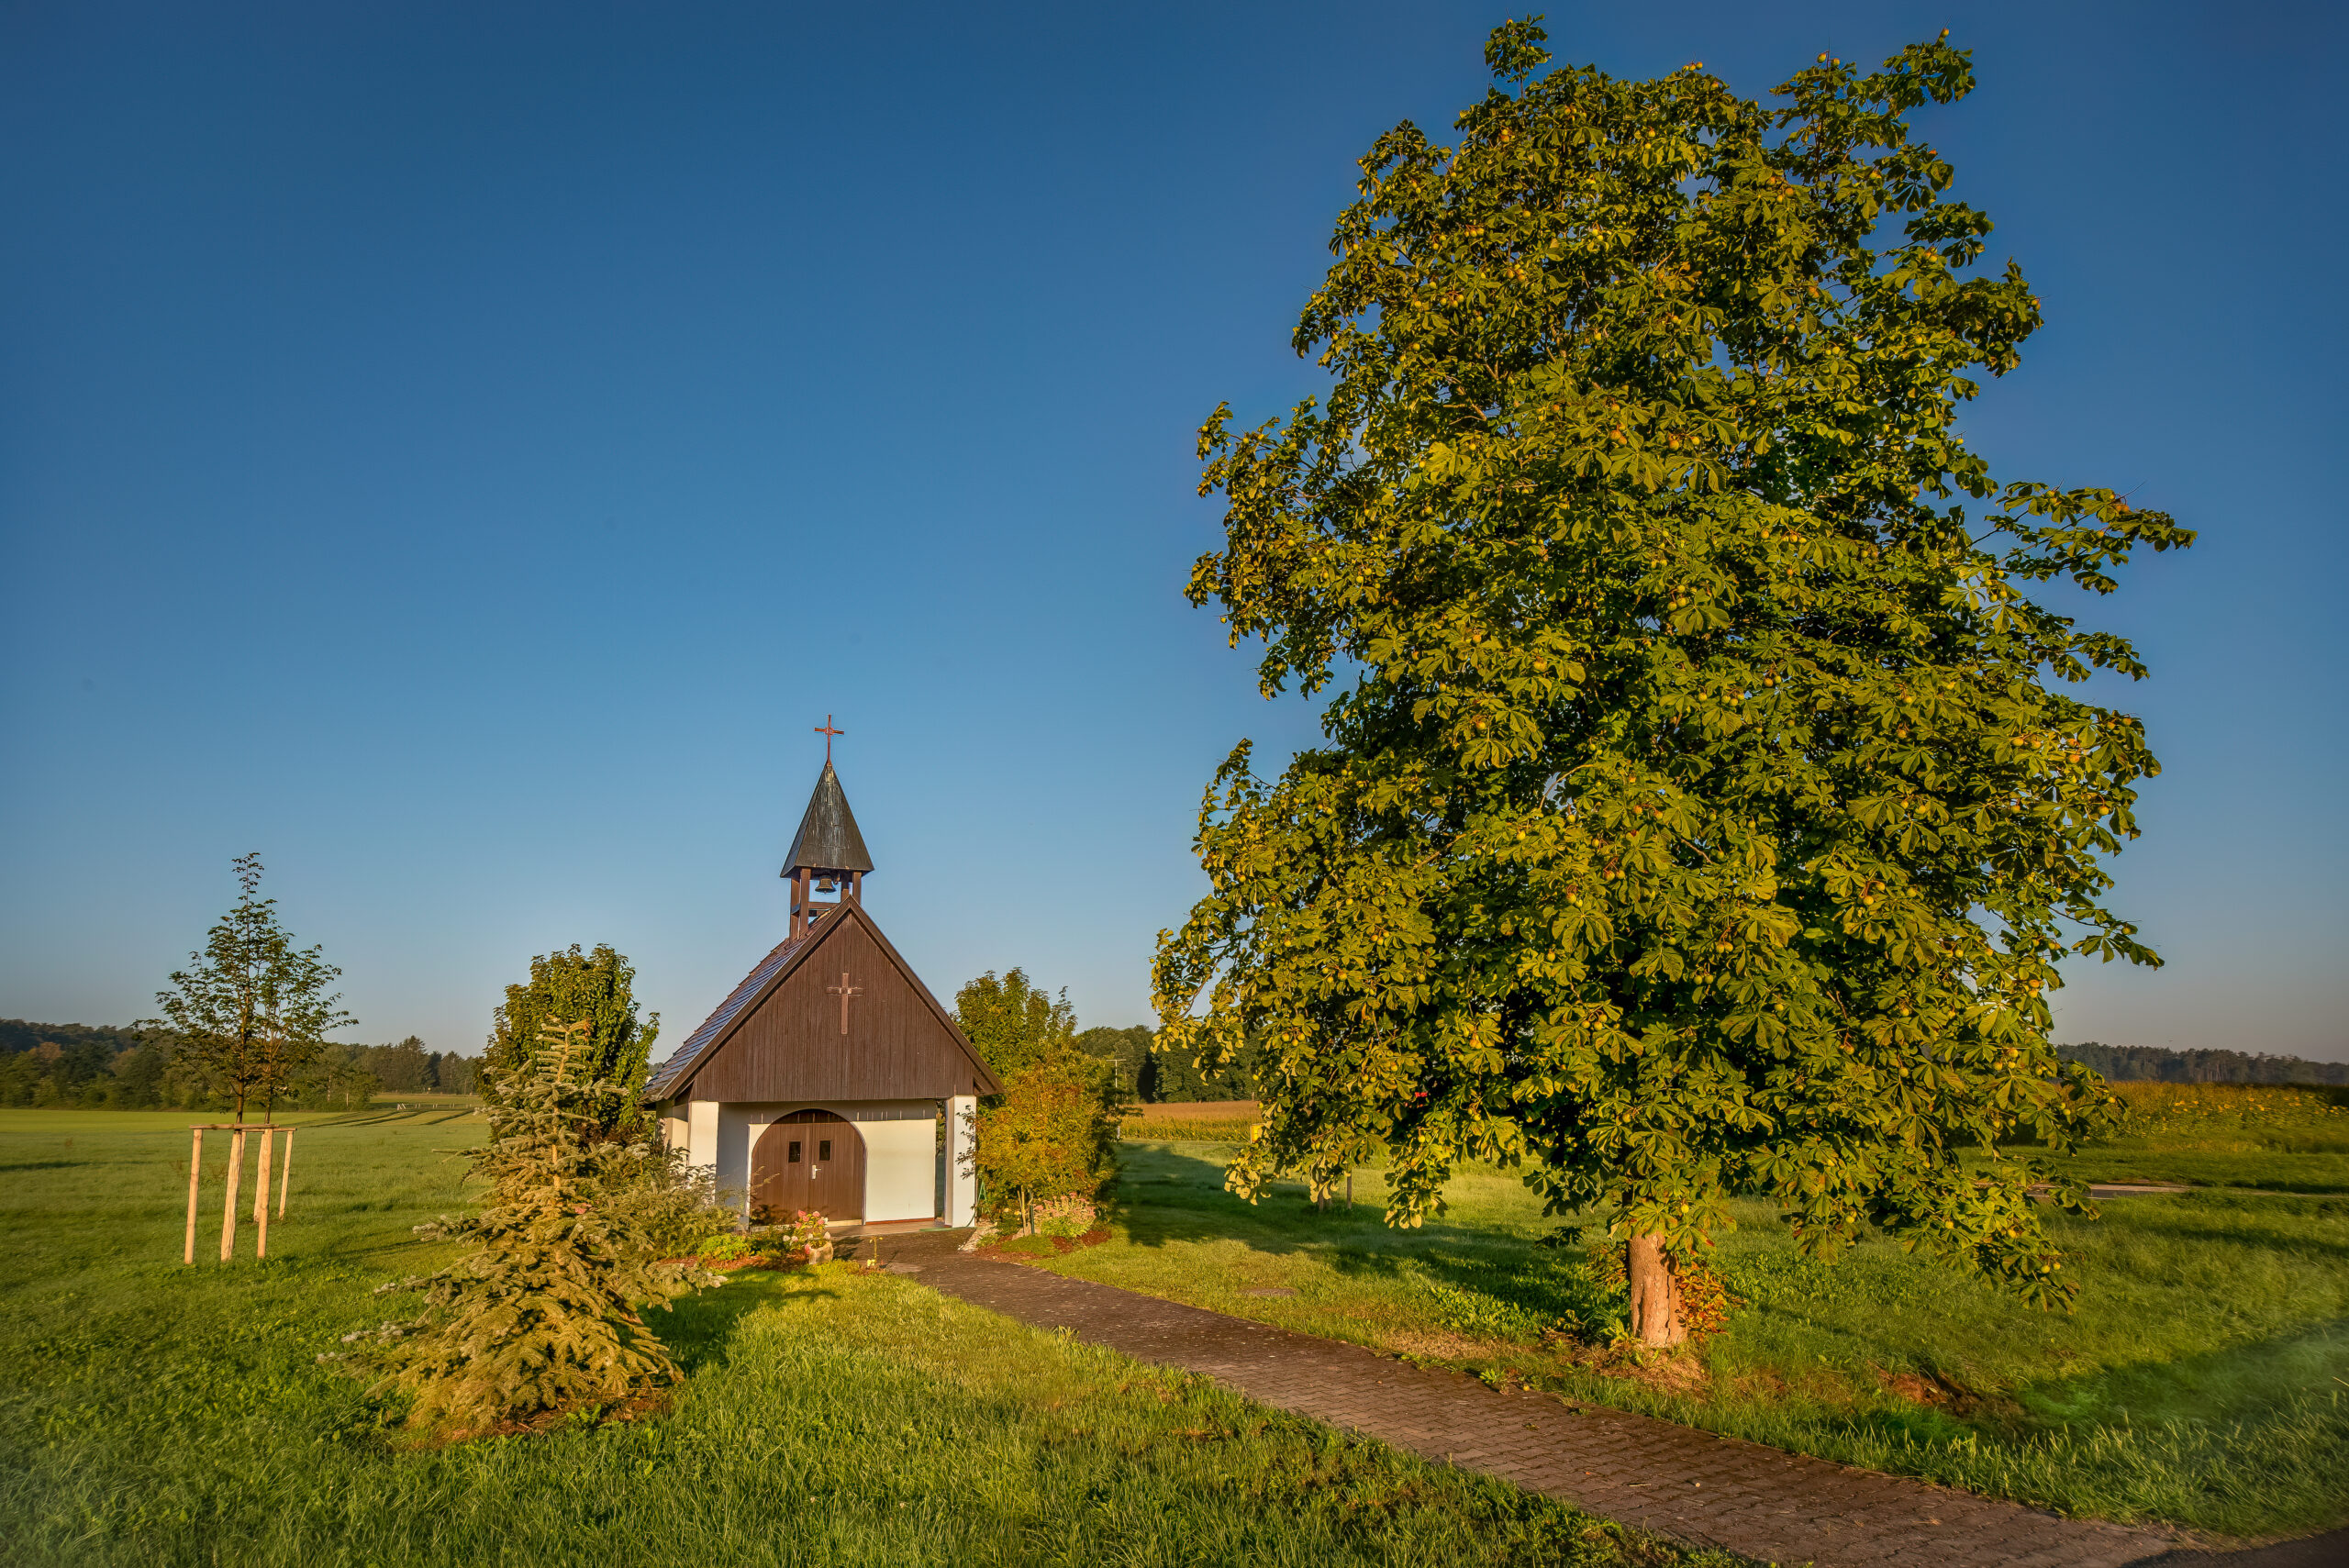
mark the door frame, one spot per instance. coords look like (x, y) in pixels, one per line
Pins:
(813, 1116)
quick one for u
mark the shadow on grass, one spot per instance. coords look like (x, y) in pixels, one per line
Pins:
(2244, 1383)
(1182, 1198)
(1497, 1281)
(699, 1329)
(2241, 1234)
(2301, 1171)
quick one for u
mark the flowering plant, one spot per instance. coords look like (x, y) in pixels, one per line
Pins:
(803, 1232)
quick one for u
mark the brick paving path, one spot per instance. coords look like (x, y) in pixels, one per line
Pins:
(1675, 1481)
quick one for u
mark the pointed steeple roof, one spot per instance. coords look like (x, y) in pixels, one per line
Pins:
(827, 839)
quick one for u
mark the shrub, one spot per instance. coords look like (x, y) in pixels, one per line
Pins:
(1053, 1132)
(724, 1249)
(1070, 1215)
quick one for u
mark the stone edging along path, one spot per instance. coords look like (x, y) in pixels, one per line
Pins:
(1673, 1481)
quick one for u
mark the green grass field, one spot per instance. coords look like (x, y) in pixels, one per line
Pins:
(2225, 1135)
(155, 1414)
(2203, 1380)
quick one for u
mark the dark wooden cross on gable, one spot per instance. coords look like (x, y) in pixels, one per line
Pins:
(844, 991)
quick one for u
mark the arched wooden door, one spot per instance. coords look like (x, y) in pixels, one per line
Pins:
(809, 1160)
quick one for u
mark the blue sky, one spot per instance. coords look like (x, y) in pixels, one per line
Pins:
(459, 451)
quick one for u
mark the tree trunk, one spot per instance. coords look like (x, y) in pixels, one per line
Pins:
(1655, 1296)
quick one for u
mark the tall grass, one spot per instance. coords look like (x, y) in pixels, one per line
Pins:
(2295, 1118)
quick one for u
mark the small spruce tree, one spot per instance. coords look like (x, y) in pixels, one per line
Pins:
(545, 1313)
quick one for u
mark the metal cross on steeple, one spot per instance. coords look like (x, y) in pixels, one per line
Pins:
(827, 731)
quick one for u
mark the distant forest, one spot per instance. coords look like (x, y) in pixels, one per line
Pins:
(96, 1066)
(100, 1066)
(1155, 1078)
(2151, 1064)
(1152, 1079)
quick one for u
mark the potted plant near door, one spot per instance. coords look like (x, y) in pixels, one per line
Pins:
(806, 1238)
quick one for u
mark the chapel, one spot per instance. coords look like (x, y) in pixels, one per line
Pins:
(831, 1078)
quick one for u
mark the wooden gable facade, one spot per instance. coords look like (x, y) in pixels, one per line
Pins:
(835, 1014)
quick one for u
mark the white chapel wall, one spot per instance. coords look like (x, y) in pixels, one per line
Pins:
(702, 1132)
(900, 1168)
(901, 1150)
(737, 1126)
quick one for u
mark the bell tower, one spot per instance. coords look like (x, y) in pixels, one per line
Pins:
(828, 854)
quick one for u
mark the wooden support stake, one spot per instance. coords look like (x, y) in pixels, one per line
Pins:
(286, 1173)
(228, 1214)
(261, 1196)
(194, 1177)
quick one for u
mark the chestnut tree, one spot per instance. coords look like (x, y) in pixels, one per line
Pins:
(1702, 808)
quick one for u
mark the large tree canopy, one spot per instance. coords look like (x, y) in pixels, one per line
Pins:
(1701, 811)
(1014, 1022)
(567, 986)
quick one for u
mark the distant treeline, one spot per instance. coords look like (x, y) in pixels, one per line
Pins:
(2151, 1064)
(1153, 1079)
(409, 1069)
(92, 1066)
(100, 1066)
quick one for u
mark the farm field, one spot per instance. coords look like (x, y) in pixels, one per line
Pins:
(155, 1414)
(1211, 1119)
(2204, 1379)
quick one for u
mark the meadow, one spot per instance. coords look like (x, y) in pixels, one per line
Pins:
(2203, 1380)
(2280, 1137)
(152, 1412)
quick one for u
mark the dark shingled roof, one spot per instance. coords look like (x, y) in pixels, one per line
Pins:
(664, 1076)
(827, 839)
(673, 1076)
